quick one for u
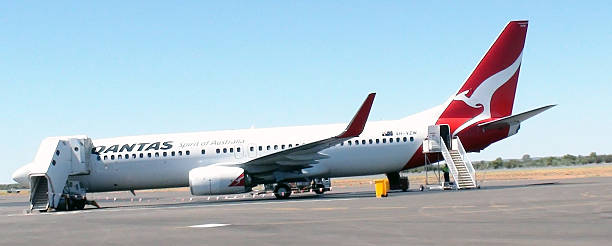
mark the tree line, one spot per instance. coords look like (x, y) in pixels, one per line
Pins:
(528, 161)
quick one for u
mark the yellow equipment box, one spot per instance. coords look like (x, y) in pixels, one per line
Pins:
(382, 186)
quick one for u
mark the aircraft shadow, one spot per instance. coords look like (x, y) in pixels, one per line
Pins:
(306, 197)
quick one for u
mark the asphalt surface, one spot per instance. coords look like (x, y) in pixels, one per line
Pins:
(565, 212)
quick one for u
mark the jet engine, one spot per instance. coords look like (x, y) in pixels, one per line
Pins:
(216, 180)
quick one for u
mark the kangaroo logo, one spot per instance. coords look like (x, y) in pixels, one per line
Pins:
(483, 94)
(238, 181)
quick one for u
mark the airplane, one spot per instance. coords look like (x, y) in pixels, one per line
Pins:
(234, 161)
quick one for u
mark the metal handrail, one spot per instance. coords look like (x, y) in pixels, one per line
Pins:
(466, 161)
(450, 162)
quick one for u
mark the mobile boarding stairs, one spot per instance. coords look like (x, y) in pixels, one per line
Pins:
(52, 174)
(439, 141)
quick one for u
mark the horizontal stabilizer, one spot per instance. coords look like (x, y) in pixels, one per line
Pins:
(513, 119)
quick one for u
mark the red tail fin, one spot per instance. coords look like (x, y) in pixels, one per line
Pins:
(490, 89)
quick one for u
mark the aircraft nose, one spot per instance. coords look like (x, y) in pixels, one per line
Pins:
(21, 176)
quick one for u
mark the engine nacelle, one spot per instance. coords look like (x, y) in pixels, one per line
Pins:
(217, 180)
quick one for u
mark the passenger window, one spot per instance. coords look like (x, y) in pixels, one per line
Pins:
(390, 140)
(342, 144)
(297, 145)
(384, 140)
(187, 152)
(224, 150)
(290, 145)
(105, 157)
(349, 143)
(363, 141)
(127, 156)
(156, 154)
(203, 152)
(218, 151)
(238, 149)
(377, 141)
(119, 157)
(133, 156)
(141, 155)
(180, 153)
(112, 157)
(260, 148)
(370, 141)
(283, 146)
(172, 153)
(165, 154)
(149, 155)
(356, 142)
(405, 139)
(252, 148)
(98, 157)
(231, 150)
(397, 140)
(411, 139)
(268, 147)
(275, 147)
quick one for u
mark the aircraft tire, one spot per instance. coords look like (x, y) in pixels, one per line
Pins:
(319, 189)
(79, 204)
(282, 191)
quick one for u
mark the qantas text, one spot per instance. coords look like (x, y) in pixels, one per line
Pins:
(133, 147)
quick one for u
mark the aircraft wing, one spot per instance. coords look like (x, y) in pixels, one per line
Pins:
(305, 155)
(513, 119)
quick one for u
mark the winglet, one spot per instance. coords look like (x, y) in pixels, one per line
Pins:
(355, 128)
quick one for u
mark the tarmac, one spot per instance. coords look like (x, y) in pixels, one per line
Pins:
(564, 212)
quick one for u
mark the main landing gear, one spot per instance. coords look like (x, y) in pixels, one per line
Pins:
(282, 191)
(398, 181)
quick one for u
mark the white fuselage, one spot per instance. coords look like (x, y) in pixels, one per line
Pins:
(162, 168)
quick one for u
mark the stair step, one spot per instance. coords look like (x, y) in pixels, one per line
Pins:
(40, 200)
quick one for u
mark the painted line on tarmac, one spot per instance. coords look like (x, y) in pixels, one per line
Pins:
(186, 207)
(28, 213)
(208, 225)
(382, 207)
(232, 204)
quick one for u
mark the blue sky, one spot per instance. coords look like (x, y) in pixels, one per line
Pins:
(127, 68)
